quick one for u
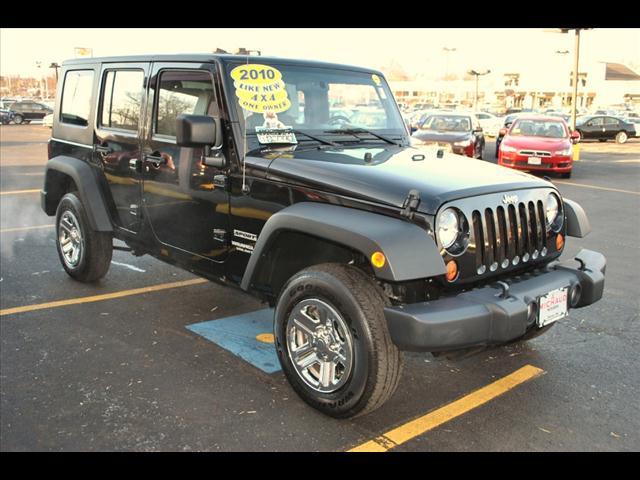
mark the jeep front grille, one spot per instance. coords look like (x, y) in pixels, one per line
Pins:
(507, 234)
(504, 236)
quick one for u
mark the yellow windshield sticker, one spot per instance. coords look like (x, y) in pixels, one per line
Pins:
(255, 74)
(376, 79)
(260, 88)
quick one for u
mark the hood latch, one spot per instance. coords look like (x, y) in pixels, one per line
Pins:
(410, 204)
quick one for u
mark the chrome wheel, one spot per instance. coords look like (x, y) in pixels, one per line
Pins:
(319, 345)
(70, 239)
(621, 137)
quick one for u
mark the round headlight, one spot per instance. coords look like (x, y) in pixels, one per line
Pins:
(553, 212)
(448, 227)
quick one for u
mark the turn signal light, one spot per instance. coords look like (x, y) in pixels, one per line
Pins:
(559, 242)
(378, 259)
(452, 270)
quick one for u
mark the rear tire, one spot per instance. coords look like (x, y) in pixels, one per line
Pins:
(327, 297)
(84, 253)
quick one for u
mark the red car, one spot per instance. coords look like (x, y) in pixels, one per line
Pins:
(538, 143)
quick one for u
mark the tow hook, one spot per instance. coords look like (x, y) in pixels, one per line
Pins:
(505, 289)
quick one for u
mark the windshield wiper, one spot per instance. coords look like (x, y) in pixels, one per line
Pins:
(354, 131)
(317, 139)
(299, 132)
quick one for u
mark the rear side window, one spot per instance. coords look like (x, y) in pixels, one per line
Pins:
(183, 92)
(76, 97)
(121, 99)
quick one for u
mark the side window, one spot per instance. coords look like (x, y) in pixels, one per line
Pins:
(182, 92)
(76, 97)
(610, 122)
(121, 99)
(596, 122)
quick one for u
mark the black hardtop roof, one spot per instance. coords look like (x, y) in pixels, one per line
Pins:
(211, 57)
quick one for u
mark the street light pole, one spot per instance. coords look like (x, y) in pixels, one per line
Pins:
(574, 103)
(477, 75)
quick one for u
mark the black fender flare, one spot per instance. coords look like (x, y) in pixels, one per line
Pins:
(409, 250)
(88, 189)
(577, 221)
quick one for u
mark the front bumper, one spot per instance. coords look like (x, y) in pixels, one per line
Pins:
(490, 315)
(562, 164)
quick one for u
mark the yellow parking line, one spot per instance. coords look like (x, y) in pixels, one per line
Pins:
(19, 192)
(18, 229)
(596, 187)
(99, 298)
(431, 420)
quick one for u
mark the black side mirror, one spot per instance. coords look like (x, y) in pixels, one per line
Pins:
(201, 131)
(197, 131)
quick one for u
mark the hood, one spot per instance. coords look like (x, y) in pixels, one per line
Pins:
(436, 136)
(394, 171)
(536, 143)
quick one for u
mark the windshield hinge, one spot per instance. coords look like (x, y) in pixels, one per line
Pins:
(410, 204)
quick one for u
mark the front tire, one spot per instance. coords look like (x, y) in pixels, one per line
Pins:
(18, 119)
(621, 137)
(84, 253)
(333, 343)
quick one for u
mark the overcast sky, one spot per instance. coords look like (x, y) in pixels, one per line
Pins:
(418, 50)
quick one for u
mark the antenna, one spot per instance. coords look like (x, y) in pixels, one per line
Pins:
(245, 188)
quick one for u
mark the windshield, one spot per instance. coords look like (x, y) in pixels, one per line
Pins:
(447, 123)
(539, 128)
(307, 99)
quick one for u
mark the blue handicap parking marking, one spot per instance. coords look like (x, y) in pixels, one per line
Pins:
(238, 334)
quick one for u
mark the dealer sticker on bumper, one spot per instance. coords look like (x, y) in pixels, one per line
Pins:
(534, 161)
(553, 306)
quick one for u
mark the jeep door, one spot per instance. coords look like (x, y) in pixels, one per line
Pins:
(184, 202)
(118, 134)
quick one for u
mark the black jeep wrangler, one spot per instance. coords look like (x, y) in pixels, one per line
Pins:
(295, 181)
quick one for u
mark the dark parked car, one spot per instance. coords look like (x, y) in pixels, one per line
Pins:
(364, 245)
(6, 116)
(603, 128)
(458, 133)
(28, 110)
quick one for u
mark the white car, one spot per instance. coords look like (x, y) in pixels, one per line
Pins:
(490, 123)
(47, 121)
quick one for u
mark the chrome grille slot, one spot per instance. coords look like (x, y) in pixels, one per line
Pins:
(514, 236)
(503, 239)
(543, 223)
(490, 233)
(478, 235)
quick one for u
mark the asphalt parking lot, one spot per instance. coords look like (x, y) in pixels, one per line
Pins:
(123, 371)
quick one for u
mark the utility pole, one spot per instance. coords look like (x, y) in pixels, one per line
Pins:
(574, 103)
(477, 75)
(55, 66)
(576, 59)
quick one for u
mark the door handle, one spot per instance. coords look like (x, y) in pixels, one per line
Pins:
(155, 160)
(102, 150)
